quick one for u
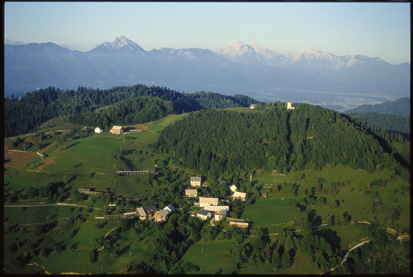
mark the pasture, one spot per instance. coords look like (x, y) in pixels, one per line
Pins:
(272, 213)
(213, 257)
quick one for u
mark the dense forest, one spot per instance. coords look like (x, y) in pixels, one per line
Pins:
(398, 107)
(217, 142)
(131, 111)
(25, 114)
(392, 123)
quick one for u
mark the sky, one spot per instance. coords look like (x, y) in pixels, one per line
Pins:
(371, 29)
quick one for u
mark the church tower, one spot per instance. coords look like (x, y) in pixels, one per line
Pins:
(289, 106)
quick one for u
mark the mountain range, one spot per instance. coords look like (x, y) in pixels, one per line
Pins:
(236, 69)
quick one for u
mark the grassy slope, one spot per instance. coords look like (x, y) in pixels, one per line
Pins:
(97, 154)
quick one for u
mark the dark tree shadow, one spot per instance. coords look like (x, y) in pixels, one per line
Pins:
(331, 237)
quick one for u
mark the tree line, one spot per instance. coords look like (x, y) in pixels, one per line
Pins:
(215, 143)
(25, 114)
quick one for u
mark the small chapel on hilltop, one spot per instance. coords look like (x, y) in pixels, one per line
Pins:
(290, 106)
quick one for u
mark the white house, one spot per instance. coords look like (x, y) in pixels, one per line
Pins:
(207, 201)
(191, 193)
(290, 106)
(253, 106)
(98, 130)
(196, 181)
(204, 215)
(240, 195)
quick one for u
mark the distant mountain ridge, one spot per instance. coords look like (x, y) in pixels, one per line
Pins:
(398, 107)
(237, 68)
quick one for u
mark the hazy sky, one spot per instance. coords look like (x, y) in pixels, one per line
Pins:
(372, 29)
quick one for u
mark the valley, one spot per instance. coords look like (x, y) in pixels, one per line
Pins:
(302, 219)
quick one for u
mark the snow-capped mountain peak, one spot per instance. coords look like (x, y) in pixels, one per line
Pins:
(120, 44)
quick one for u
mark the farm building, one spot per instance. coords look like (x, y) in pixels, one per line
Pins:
(88, 191)
(41, 155)
(150, 210)
(161, 215)
(191, 193)
(130, 215)
(253, 106)
(220, 215)
(116, 130)
(207, 201)
(142, 213)
(240, 195)
(238, 224)
(216, 208)
(196, 181)
(98, 130)
(204, 215)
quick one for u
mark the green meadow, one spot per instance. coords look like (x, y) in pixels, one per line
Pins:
(213, 257)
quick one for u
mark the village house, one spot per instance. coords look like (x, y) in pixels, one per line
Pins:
(238, 224)
(191, 193)
(253, 106)
(207, 201)
(161, 216)
(233, 188)
(116, 130)
(196, 181)
(204, 215)
(290, 106)
(239, 195)
(142, 213)
(170, 208)
(220, 215)
(150, 210)
(98, 130)
(216, 208)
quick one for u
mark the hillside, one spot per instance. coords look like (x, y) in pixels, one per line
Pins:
(314, 209)
(25, 114)
(217, 143)
(398, 107)
(399, 124)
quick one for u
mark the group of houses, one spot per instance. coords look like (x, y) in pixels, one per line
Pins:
(115, 130)
(150, 212)
(210, 205)
(290, 106)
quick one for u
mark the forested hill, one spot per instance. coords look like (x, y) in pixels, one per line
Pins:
(398, 107)
(217, 142)
(25, 114)
(393, 123)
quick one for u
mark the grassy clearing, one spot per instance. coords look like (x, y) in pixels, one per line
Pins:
(212, 257)
(272, 212)
(91, 154)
